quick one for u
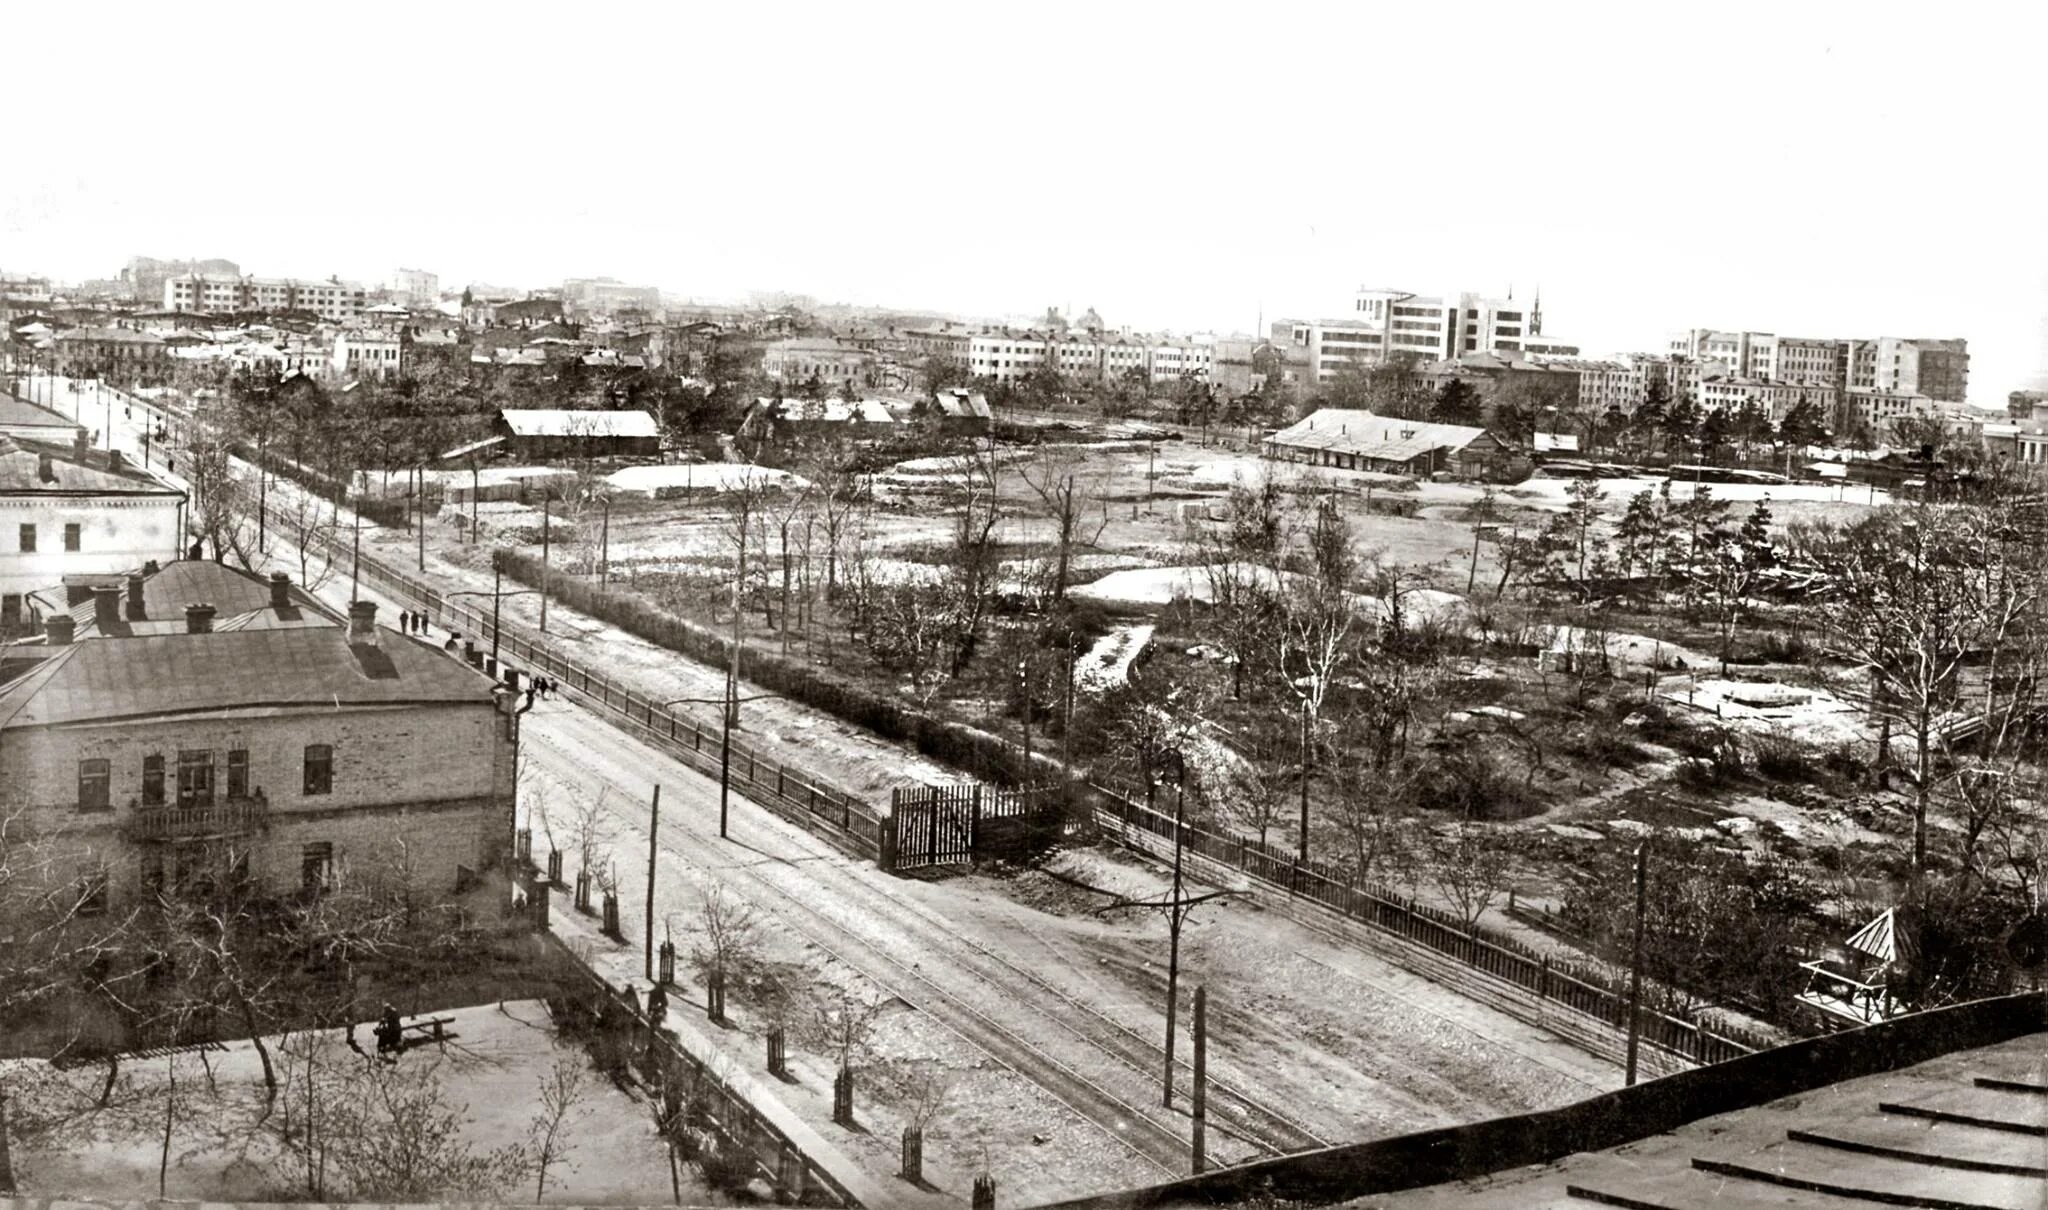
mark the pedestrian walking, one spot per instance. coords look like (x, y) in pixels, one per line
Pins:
(404, 621)
(390, 1034)
(530, 687)
(657, 1005)
(421, 618)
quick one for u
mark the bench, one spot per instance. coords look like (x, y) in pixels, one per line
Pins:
(432, 1027)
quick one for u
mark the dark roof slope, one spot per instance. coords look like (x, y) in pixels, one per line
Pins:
(103, 681)
(240, 599)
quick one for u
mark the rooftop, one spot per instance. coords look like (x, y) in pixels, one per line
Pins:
(241, 601)
(567, 422)
(21, 471)
(1383, 438)
(168, 674)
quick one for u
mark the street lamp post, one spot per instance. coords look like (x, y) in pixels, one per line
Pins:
(497, 595)
(730, 711)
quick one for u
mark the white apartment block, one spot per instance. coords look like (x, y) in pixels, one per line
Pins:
(1763, 355)
(336, 301)
(1395, 323)
(1170, 362)
(1008, 357)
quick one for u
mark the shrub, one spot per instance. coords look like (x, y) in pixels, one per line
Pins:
(1780, 757)
(1473, 784)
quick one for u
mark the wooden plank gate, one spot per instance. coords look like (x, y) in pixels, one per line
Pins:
(961, 823)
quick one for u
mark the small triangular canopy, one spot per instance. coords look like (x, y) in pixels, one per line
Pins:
(1877, 938)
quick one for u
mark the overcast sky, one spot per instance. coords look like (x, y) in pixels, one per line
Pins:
(1823, 170)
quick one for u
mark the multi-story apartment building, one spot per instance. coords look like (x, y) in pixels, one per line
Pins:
(418, 288)
(334, 300)
(1005, 357)
(943, 341)
(1719, 392)
(1938, 369)
(1396, 323)
(1766, 356)
(256, 737)
(144, 276)
(1172, 361)
(1872, 410)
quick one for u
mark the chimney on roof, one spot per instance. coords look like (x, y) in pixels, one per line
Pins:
(135, 612)
(79, 445)
(280, 590)
(57, 630)
(46, 471)
(362, 622)
(106, 606)
(199, 618)
(114, 460)
(151, 568)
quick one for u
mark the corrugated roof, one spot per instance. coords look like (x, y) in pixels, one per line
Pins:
(1382, 438)
(107, 679)
(566, 422)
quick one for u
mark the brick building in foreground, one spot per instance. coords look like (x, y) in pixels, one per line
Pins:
(260, 736)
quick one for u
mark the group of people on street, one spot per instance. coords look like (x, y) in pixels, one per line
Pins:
(414, 623)
(541, 687)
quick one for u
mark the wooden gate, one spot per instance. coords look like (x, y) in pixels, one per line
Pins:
(957, 824)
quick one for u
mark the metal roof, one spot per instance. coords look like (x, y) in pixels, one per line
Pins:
(103, 680)
(566, 422)
(1365, 435)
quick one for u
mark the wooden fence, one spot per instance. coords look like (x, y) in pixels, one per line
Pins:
(956, 824)
(1579, 989)
(708, 1096)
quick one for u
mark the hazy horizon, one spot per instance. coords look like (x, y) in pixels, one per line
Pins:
(1827, 170)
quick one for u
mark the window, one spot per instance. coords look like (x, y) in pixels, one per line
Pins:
(92, 786)
(153, 781)
(319, 768)
(238, 773)
(316, 866)
(28, 539)
(71, 536)
(195, 779)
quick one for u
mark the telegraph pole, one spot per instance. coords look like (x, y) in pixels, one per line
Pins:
(546, 513)
(1635, 974)
(653, 836)
(1201, 1141)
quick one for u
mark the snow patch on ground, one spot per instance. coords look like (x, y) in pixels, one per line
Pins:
(1554, 493)
(1108, 663)
(700, 477)
(1812, 715)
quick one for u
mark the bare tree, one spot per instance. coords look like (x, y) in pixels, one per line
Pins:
(729, 935)
(1053, 476)
(560, 1091)
(1917, 593)
(1467, 866)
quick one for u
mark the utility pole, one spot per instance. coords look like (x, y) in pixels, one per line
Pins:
(1472, 576)
(546, 513)
(1176, 914)
(1303, 846)
(653, 838)
(604, 557)
(1635, 973)
(356, 559)
(497, 597)
(732, 707)
(1201, 1141)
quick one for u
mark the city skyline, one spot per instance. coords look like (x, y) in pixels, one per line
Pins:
(1642, 202)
